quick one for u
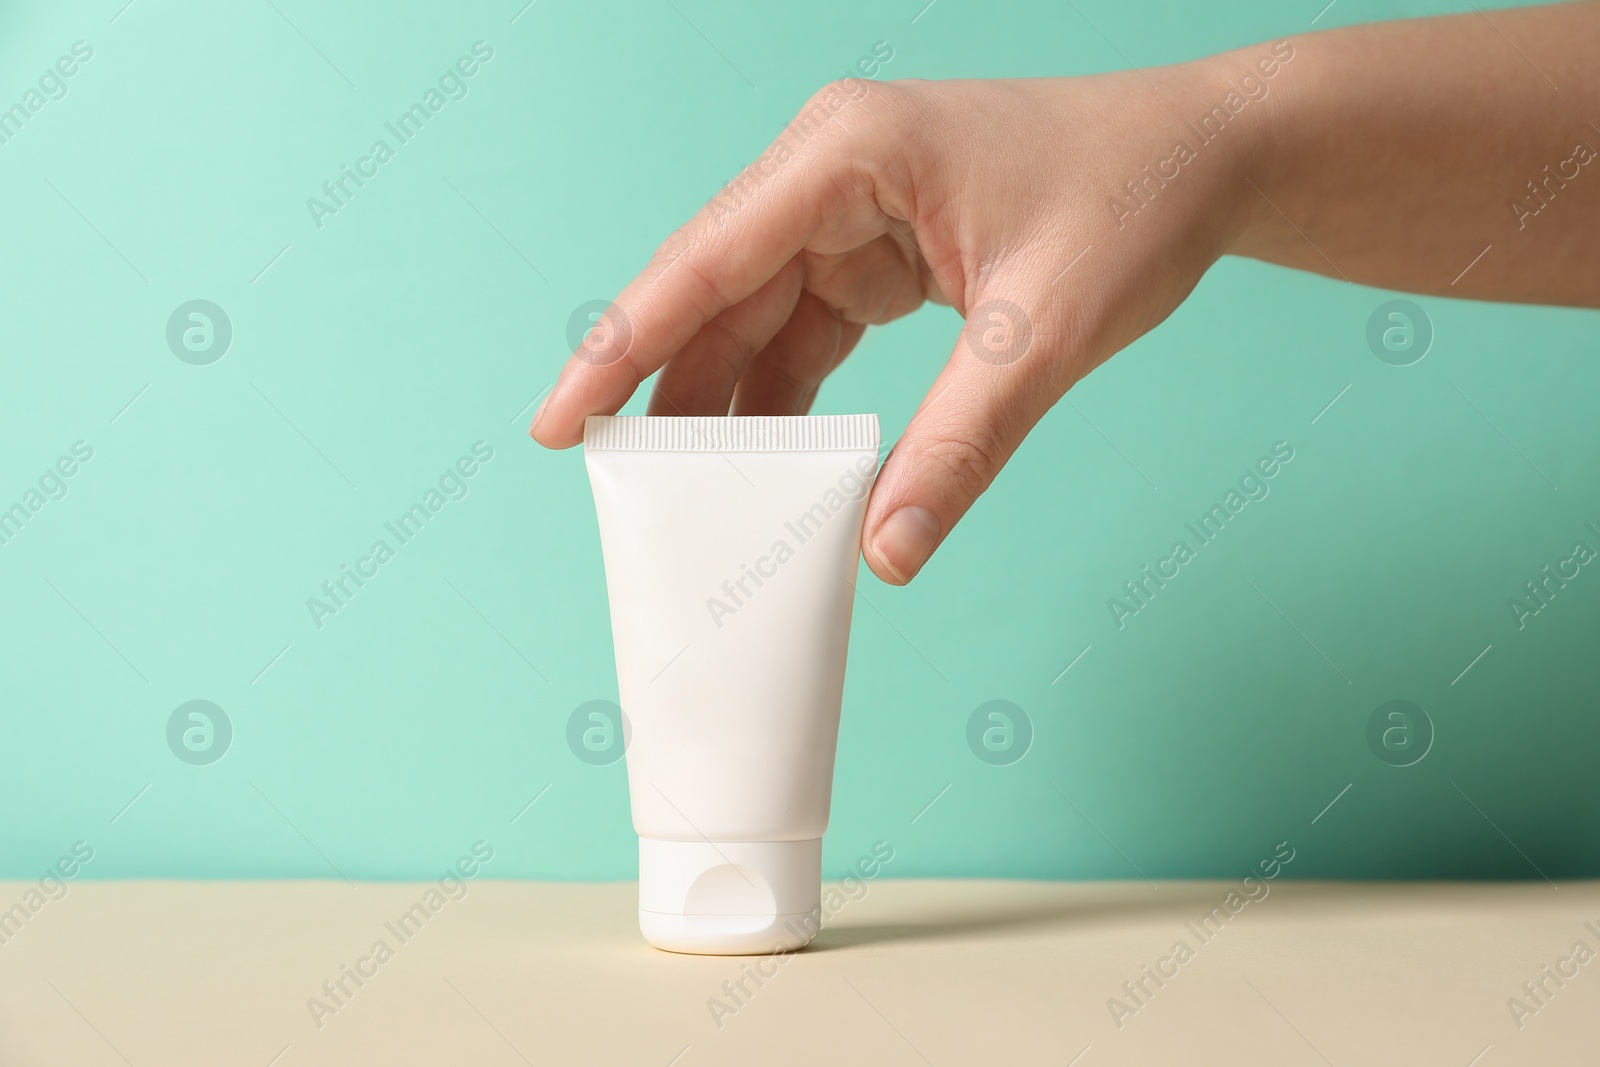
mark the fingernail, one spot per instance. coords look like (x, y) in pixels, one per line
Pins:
(537, 415)
(905, 541)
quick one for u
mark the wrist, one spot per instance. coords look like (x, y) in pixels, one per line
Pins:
(1237, 105)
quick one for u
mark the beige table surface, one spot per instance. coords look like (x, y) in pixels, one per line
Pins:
(913, 972)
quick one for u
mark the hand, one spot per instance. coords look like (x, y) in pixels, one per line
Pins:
(1065, 217)
(997, 197)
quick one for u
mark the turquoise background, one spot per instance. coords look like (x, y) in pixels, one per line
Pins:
(431, 311)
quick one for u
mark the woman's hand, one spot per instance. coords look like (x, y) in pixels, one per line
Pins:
(1065, 217)
(1007, 199)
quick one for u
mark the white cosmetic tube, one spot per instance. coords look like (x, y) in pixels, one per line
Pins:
(730, 551)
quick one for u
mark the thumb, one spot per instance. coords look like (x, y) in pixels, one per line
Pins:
(997, 385)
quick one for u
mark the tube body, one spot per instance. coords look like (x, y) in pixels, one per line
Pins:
(731, 548)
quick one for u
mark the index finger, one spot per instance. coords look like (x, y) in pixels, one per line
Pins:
(730, 249)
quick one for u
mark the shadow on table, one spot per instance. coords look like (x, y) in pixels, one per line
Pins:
(989, 915)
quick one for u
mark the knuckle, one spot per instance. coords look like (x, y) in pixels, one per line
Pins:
(1076, 338)
(732, 348)
(688, 251)
(785, 378)
(847, 105)
(967, 460)
(678, 242)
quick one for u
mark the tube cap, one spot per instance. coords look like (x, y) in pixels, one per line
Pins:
(729, 898)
